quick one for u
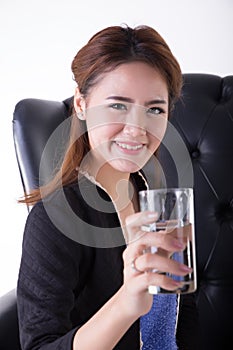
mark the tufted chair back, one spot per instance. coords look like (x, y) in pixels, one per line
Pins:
(197, 151)
(204, 120)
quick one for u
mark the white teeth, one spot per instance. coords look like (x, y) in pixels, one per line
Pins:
(130, 147)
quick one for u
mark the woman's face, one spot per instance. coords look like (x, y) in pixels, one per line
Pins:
(126, 115)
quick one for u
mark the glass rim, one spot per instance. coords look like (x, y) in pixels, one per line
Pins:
(166, 190)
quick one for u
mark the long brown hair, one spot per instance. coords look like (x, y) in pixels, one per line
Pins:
(106, 50)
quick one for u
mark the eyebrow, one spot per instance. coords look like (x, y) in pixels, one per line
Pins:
(130, 100)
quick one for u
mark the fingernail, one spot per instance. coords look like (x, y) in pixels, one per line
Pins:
(179, 244)
(177, 284)
(152, 216)
(185, 268)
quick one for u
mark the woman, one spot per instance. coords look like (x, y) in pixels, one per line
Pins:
(84, 270)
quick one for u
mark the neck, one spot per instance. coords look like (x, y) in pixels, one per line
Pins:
(121, 190)
(115, 182)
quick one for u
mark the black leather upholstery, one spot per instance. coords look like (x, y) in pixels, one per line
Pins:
(9, 332)
(204, 120)
(33, 123)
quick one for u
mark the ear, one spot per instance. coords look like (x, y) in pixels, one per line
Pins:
(79, 104)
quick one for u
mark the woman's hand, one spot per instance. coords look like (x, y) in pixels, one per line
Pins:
(141, 266)
(133, 300)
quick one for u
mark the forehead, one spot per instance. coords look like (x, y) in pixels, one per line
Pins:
(135, 79)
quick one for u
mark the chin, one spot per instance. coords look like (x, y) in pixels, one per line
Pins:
(125, 166)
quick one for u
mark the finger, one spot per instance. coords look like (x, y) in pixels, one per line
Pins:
(135, 222)
(150, 239)
(141, 282)
(181, 233)
(159, 280)
(149, 262)
(141, 218)
(158, 239)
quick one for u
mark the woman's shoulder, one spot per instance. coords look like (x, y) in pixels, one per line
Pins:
(52, 218)
(56, 199)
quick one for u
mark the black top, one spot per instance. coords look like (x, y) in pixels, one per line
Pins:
(71, 265)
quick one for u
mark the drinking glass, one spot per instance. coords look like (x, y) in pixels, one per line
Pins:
(175, 210)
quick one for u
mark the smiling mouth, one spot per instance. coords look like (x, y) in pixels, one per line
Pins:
(128, 146)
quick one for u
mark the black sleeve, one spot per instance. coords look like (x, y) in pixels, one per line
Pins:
(48, 276)
(188, 324)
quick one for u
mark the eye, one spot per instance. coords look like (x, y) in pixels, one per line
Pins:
(118, 106)
(155, 110)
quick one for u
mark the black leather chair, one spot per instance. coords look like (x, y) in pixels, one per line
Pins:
(9, 332)
(204, 120)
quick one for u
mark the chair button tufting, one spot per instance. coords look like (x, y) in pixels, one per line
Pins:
(195, 154)
(224, 212)
(227, 91)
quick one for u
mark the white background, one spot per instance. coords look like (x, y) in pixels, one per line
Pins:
(38, 40)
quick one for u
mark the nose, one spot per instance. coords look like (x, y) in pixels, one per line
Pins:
(134, 130)
(135, 123)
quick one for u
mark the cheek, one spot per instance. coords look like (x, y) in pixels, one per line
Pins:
(156, 132)
(102, 134)
(157, 127)
(154, 143)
